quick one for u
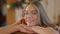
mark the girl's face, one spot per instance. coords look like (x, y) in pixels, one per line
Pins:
(31, 16)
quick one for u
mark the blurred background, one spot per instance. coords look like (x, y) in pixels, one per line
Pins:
(11, 10)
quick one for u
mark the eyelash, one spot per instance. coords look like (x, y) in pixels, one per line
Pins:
(31, 13)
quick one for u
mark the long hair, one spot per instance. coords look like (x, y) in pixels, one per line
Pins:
(42, 13)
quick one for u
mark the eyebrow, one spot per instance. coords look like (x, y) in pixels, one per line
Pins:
(35, 11)
(32, 11)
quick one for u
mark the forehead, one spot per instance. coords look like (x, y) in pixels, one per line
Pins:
(30, 7)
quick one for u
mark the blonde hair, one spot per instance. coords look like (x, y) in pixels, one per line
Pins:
(42, 14)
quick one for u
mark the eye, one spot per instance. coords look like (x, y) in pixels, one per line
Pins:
(34, 12)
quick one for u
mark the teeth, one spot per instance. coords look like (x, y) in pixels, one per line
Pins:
(31, 24)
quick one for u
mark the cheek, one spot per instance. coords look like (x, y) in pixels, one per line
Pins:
(27, 18)
(36, 18)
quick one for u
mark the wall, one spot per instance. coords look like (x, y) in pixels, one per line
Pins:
(49, 7)
(18, 14)
(52, 8)
(57, 8)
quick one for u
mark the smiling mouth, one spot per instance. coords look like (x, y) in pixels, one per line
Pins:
(31, 24)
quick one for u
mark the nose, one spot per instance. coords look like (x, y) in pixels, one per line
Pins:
(29, 16)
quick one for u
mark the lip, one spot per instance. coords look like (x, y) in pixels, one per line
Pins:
(31, 23)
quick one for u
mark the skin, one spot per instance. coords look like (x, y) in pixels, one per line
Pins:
(14, 28)
(42, 30)
(31, 15)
